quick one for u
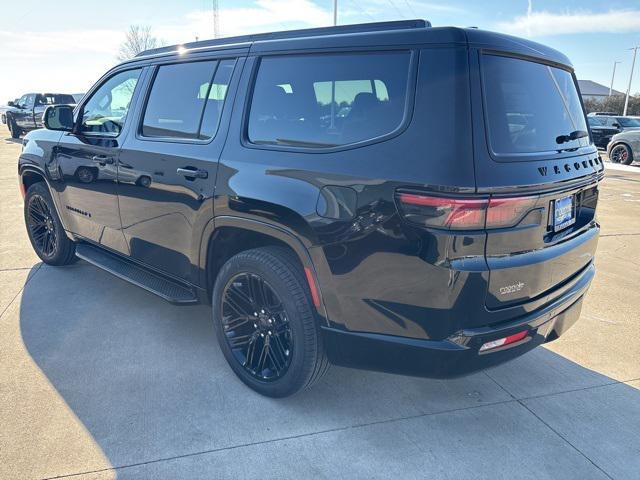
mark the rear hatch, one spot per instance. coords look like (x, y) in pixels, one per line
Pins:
(535, 155)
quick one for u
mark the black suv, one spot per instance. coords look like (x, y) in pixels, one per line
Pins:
(601, 133)
(386, 196)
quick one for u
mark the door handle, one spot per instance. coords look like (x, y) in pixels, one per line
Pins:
(102, 159)
(192, 172)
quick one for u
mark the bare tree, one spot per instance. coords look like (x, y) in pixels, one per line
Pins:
(138, 39)
(614, 103)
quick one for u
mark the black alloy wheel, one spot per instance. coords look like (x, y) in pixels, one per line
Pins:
(621, 153)
(266, 323)
(46, 233)
(256, 327)
(42, 228)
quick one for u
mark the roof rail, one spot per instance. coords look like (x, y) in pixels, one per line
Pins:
(305, 32)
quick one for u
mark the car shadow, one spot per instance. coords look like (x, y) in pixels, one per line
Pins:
(148, 381)
(13, 140)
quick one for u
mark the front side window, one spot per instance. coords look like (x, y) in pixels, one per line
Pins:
(321, 101)
(186, 100)
(106, 110)
(531, 107)
(30, 101)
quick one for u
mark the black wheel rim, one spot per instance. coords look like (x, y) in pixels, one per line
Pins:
(256, 327)
(41, 226)
(619, 155)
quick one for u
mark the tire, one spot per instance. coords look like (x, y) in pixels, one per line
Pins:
(43, 222)
(86, 174)
(144, 181)
(298, 345)
(13, 128)
(621, 153)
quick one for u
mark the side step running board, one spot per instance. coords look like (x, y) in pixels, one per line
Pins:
(153, 282)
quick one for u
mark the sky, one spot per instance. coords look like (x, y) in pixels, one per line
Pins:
(65, 46)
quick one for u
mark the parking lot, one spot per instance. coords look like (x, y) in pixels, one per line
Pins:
(99, 379)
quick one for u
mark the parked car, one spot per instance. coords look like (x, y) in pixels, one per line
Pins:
(624, 146)
(600, 132)
(26, 114)
(618, 122)
(386, 196)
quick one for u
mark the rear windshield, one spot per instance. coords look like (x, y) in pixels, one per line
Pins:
(531, 107)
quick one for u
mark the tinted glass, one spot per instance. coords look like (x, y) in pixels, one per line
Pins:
(529, 105)
(629, 122)
(179, 96)
(215, 98)
(54, 99)
(327, 100)
(596, 122)
(106, 110)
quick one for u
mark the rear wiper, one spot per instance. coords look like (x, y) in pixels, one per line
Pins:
(575, 135)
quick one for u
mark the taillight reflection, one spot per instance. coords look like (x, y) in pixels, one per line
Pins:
(464, 213)
(506, 212)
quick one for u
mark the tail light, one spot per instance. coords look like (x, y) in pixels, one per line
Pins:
(506, 212)
(455, 213)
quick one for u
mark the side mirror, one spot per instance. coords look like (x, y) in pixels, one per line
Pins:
(11, 103)
(58, 117)
(615, 125)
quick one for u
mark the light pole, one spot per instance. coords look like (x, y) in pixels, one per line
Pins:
(633, 64)
(335, 12)
(613, 76)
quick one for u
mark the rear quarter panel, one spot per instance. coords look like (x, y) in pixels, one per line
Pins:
(376, 274)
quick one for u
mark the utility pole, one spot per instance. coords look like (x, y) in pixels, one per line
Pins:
(335, 12)
(613, 76)
(216, 24)
(633, 64)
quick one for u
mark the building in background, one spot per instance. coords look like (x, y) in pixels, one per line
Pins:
(591, 90)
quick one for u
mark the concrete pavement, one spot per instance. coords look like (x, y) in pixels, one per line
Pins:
(99, 379)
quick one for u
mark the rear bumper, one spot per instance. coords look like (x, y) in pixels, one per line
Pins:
(459, 354)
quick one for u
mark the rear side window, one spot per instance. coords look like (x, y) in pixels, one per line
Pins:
(215, 96)
(186, 100)
(629, 122)
(321, 101)
(531, 107)
(54, 99)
